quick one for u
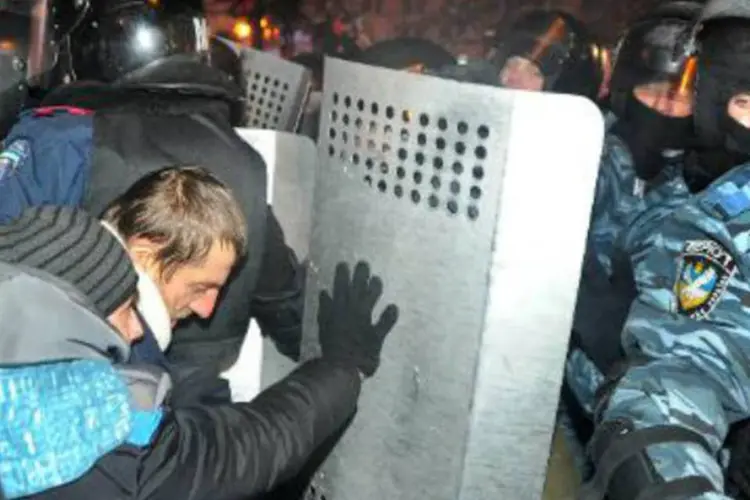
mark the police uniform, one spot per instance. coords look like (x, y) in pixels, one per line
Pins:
(626, 214)
(689, 328)
(641, 180)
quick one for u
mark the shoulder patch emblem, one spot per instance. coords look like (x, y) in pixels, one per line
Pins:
(705, 269)
(13, 156)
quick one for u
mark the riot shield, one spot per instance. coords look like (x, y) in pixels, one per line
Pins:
(473, 204)
(276, 90)
(290, 162)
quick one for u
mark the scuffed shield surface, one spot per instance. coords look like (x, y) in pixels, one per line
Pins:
(276, 90)
(290, 162)
(472, 203)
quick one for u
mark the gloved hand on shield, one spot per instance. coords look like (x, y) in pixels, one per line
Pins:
(347, 332)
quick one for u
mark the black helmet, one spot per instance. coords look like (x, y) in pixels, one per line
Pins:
(723, 49)
(560, 46)
(128, 40)
(407, 53)
(655, 48)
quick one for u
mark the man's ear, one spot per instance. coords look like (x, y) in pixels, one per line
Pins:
(738, 108)
(144, 253)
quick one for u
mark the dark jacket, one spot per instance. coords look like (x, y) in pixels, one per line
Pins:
(138, 131)
(224, 452)
(228, 452)
(192, 384)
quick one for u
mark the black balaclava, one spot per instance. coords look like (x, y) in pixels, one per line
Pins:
(723, 72)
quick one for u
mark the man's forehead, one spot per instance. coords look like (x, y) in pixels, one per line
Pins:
(205, 283)
(213, 270)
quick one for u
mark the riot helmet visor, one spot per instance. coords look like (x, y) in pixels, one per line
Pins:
(549, 51)
(654, 64)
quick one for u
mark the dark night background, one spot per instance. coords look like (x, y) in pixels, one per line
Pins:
(459, 25)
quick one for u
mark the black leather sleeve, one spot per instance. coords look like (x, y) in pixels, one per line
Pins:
(240, 450)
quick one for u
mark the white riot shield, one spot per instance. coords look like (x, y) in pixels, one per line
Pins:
(472, 203)
(276, 90)
(290, 161)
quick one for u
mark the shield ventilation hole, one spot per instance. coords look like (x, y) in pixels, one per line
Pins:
(313, 493)
(267, 99)
(416, 157)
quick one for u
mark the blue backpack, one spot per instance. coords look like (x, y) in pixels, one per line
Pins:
(46, 160)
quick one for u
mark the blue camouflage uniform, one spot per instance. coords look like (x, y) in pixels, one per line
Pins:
(621, 198)
(690, 326)
(625, 215)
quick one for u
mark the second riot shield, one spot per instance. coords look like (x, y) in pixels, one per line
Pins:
(290, 162)
(275, 90)
(472, 203)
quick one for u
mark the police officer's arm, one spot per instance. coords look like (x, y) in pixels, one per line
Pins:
(605, 180)
(664, 422)
(598, 300)
(615, 184)
(279, 296)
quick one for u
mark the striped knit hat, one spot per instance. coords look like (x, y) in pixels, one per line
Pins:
(75, 247)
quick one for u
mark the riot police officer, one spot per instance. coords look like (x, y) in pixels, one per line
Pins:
(662, 423)
(641, 175)
(547, 50)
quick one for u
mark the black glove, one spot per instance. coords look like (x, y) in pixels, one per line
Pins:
(347, 333)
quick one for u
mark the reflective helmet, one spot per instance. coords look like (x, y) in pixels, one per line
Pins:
(121, 40)
(559, 45)
(655, 49)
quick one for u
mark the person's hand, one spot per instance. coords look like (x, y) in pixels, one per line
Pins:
(347, 332)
